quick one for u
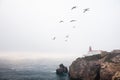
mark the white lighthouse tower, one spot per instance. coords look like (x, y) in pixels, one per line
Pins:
(90, 48)
(93, 52)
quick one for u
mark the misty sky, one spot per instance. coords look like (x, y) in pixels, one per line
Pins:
(30, 25)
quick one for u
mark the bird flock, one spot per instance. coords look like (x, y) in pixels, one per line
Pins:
(61, 21)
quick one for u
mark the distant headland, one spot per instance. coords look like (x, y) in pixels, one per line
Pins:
(96, 65)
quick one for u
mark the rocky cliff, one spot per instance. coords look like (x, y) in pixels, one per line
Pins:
(104, 66)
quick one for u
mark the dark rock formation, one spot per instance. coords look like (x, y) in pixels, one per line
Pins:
(116, 76)
(62, 70)
(96, 67)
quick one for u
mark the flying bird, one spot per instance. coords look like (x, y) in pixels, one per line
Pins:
(66, 40)
(87, 9)
(67, 36)
(53, 38)
(73, 7)
(74, 26)
(61, 21)
(72, 20)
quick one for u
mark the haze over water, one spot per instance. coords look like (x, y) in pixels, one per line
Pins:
(31, 69)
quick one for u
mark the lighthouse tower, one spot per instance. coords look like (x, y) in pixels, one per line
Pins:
(90, 48)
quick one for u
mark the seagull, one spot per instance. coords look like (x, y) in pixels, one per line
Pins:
(73, 7)
(72, 20)
(61, 21)
(66, 40)
(87, 9)
(53, 38)
(73, 26)
(67, 36)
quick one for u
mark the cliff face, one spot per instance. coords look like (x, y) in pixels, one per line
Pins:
(104, 66)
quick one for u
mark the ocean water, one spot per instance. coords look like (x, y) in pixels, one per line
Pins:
(31, 69)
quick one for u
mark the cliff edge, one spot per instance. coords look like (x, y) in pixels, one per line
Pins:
(104, 66)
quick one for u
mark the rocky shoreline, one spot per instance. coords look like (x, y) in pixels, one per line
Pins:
(104, 66)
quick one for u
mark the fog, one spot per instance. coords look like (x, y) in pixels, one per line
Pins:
(28, 26)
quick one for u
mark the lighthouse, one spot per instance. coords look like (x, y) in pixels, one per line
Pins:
(93, 52)
(90, 48)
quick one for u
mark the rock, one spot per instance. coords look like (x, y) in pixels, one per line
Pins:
(97, 67)
(85, 70)
(61, 70)
(116, 76)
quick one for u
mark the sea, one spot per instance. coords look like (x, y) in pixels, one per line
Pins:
(27, 69)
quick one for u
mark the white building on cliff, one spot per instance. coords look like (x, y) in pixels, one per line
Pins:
(93, 52)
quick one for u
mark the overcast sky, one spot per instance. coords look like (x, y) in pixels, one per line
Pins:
(30, 25)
